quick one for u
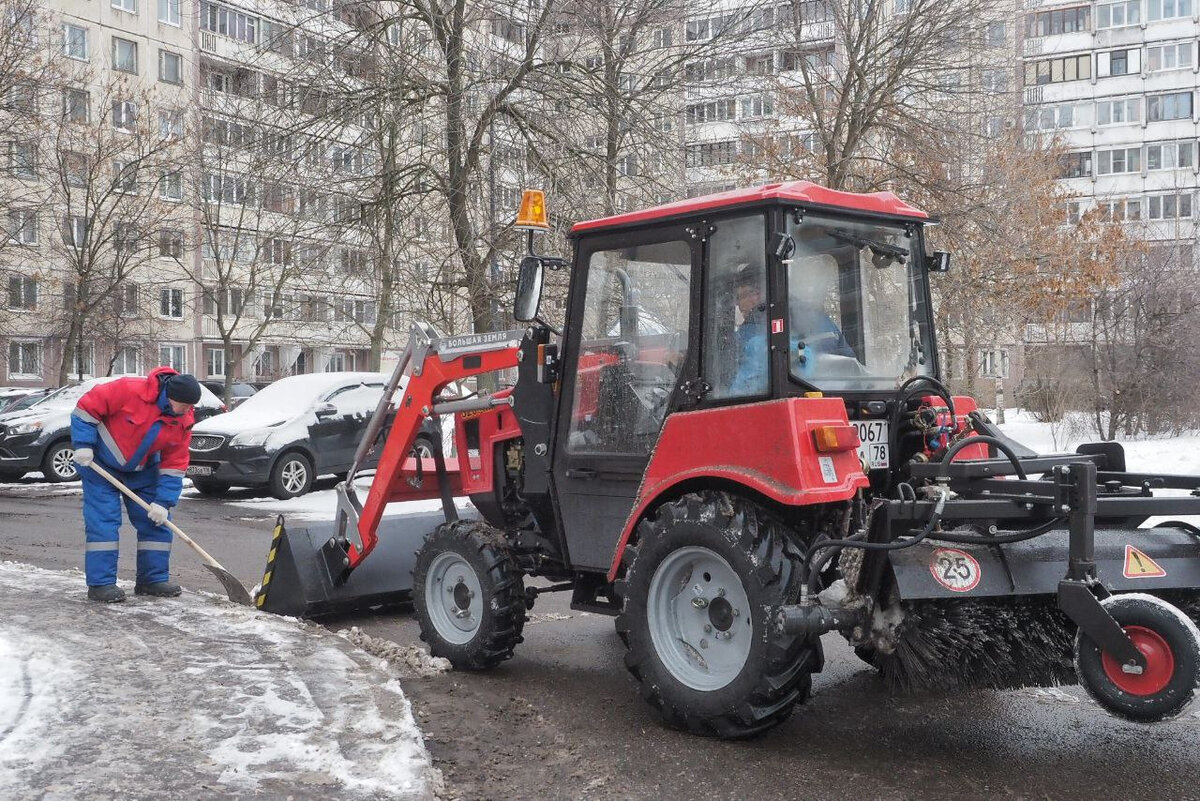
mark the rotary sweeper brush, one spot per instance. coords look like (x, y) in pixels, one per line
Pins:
(737, 444)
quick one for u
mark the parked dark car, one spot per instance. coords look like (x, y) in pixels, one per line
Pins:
(239, 390)
(15, 400)
(289, 433)
(39, 437)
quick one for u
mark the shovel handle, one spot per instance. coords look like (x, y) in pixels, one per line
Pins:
(127, 492)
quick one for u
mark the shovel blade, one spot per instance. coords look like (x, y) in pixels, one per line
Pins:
(301, 581)
(236, 591)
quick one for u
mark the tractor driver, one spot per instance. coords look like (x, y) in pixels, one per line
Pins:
(751, 336)
(812, 285)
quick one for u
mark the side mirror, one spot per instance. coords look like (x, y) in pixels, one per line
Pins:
(529, 290)
(326, 410)
(938, 262)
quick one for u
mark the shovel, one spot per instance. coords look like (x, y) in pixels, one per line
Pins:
(233, 588)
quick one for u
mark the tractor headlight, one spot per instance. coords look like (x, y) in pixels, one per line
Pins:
(25, 428)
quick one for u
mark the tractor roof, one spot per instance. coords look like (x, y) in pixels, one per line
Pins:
(804, 192)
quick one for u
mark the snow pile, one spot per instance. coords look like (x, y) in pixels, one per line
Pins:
(322, 505)
(410, 660)
(190, 697)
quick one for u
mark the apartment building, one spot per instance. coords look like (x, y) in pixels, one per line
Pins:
(1116, 83)
(151, 103)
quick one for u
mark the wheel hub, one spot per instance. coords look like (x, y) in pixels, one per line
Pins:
(1160, 663)
(698, 615)
(454, 598)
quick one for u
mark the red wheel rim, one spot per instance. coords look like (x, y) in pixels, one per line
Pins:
(1160, 664)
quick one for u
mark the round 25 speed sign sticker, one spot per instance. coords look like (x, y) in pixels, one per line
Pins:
(954, 569)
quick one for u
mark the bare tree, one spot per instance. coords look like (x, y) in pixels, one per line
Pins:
(115, 182)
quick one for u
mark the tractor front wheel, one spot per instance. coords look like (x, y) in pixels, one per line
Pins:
(706, 572)
(469, 595)
(1171, 644)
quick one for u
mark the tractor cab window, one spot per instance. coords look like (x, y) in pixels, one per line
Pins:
(632, 345)
(857, 316)
(735, 309)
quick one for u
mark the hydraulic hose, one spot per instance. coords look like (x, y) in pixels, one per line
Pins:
(1000, 445)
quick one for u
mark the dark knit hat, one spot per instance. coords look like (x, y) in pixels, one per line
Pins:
(183, 388)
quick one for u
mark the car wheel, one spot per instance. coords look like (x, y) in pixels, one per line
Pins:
(57, 464)
(211, 488)
(291, 476)
(11, 475)
(423, 447)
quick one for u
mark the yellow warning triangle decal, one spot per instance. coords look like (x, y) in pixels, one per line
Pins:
(1138, 565)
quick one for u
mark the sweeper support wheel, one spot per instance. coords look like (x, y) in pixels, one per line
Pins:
(1171, 645)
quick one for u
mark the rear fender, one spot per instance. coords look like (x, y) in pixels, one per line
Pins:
(768, 448)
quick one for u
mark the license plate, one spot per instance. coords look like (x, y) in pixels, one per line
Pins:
(874, 447)
(199, 470)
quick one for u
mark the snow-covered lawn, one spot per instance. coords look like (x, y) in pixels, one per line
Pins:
(191, 697)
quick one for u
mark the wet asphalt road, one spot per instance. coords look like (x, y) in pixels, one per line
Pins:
(563, 718)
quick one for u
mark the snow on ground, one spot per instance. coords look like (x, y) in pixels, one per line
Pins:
(191, 697)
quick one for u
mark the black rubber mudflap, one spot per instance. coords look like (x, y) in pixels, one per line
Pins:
(299, 581)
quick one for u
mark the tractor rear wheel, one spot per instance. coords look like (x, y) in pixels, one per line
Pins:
(1171, 645)
(705, 573)
(469, 595)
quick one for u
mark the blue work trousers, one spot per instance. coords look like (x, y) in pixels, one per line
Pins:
(102, 524)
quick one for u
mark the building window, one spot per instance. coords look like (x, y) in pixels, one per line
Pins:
(127, 361)
(25, 359)
(755, 106)
(22, 159)
(1170, 207)
(170, 243)
(1170, 57)
(1120, 210)
(124, 177)
(168, 11)
(214, 362)
(993, 363)
(75, 231)
(170, 67)
(75, 42)
(170, 124)
(336, 363)
(124, 115)
(83, 364)
(1076, 165)
(125, 5)
(1118, 62)
(1177, 106)
(1168, 9)
(1049, 23)
(1170, 155)
(1058, 70)
(75, 105)
(171, 185)
(264, 365)
(124, 55)
(1118, 112)
(173, 356)
(663, 37)
(227, 22)
(996, 34)
(127, 300)
(230, 301)
(22, 293)
(23, 227)
(1119, 160)
(1116, 15)
(170, 303)
(1050, 118)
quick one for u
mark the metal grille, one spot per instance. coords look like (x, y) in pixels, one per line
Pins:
(205, 442)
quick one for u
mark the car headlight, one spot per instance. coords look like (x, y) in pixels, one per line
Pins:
(25, 428)
(251, 439)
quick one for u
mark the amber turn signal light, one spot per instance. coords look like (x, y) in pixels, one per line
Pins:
(833, 439)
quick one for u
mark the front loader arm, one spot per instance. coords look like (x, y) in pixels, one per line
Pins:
(431, 362)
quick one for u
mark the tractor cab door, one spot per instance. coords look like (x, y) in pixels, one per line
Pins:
(629, 340)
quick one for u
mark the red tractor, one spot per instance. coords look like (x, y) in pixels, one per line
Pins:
(738, 443)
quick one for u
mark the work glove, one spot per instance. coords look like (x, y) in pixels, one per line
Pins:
(84, 456)
(157, 514)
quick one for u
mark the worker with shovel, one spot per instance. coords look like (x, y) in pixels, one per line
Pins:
(138, 429)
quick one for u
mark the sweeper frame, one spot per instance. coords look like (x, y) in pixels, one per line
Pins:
(730, 511)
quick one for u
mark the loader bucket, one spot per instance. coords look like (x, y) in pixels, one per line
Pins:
(299, 581)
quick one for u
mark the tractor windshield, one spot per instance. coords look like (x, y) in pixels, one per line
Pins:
(857, 312)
